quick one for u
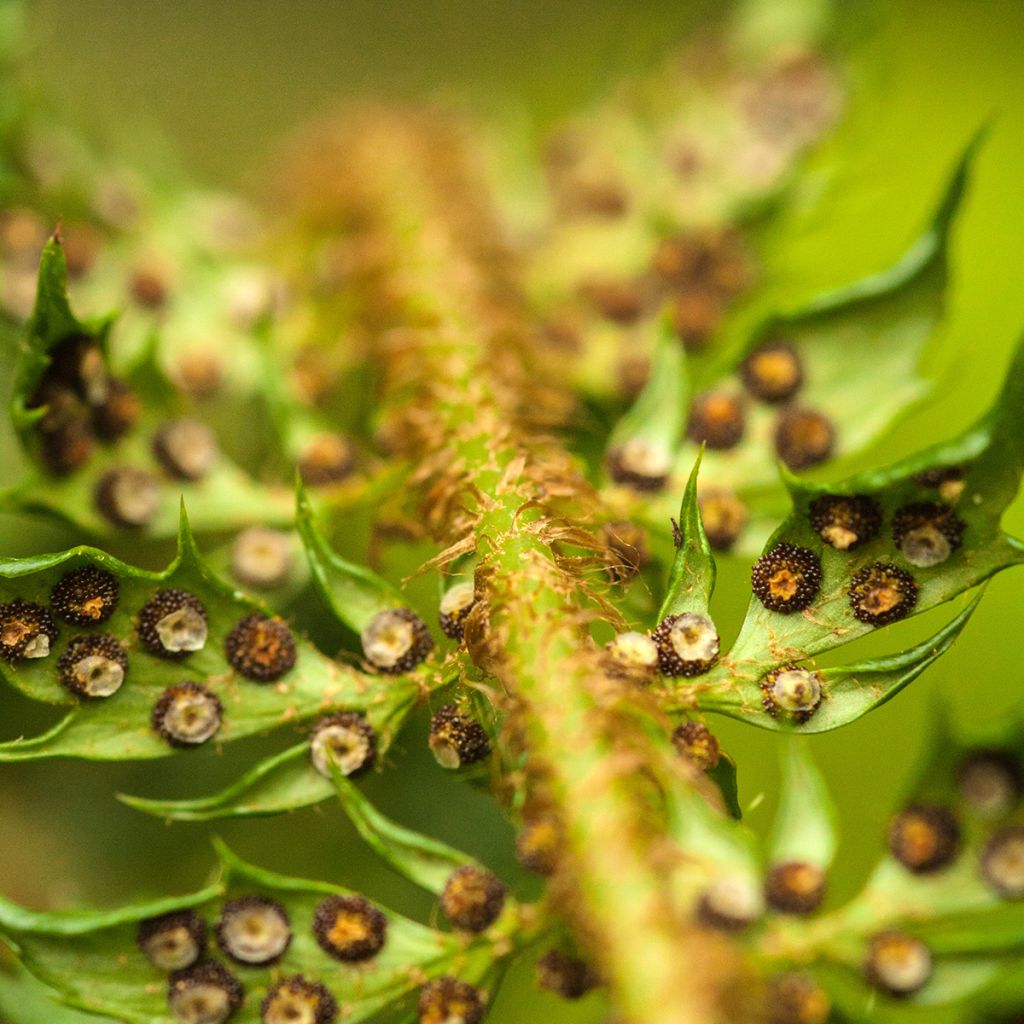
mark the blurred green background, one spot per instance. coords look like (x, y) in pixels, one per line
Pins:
(222, 83)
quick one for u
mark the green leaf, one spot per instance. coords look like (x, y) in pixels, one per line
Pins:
(658, 414)
(692, 580)
(26, 1000)
(95, 965)
(118, 727)
(805, 824)
(860, 346)
(849, 691)
(355, 594)
(426, 862)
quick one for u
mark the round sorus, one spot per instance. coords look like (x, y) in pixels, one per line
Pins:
(26, 630)
(538, 844)
(795, 887)
(472, 898)
(347, 739)
(846, 521)
(927, 533)
(792, 691)
(803, 437)
(621, 301)
(456, 740)
(254, 930)
(787, 578)
(349, 928)
(796, 999)
(882, 593)
(565, 975)
(924, 838)
(1002, 862)
(897, 963)
(947, 480)
(93, 666)
(773, 372)
(261, 558)
(205, 993)
(128, 497)
(695, 742)
(626, 553)
(724, 517)
(173, 941)
(717, 419)
(687, 644)
(85, 597)
(186, 449)
(117, 413)
(187, 714)
(696, 315)
(172, 624)
(730, 904)
(447, 1000)
(989, 782)
(456, 604)
(396, 640)
(67, 448)
(631, 655)
(327, 459)
(640, 464)
(261, 648)
(295, 1000)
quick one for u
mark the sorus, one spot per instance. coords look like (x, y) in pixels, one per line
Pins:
(457, 603)
(205, 993)
(791, 690)
(86, 597)
(93, 666)
(631, 655)
(787, 578)
(173, 941)
(172, 624)
(927, 533)
(118, 413)
(261, 558)
(347, 739)
(846, 521)
(565, 975)
(882, 593)
(472, 898)
(724, 517)
(717, 419)
(327, 459)
(260, 648)
(947, 480)
(641, 464)
(990, 782)
(730, 904)
(897, 963)
(450, 1001)
(696, 315)
(349, 928)
(128, 497)
(695, 742)
(796, 999)
(538, 844)
(1002, 862)
(457, 740)
(795, 887)
(295, 1000)
(803, 437)
(254, 930)
(773, 372)
(687, 644)
(26, 631)
(186, 449)
(187, 714)
(925, 838)
(396, 640)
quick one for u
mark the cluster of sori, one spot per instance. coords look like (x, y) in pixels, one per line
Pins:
(255, 931)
